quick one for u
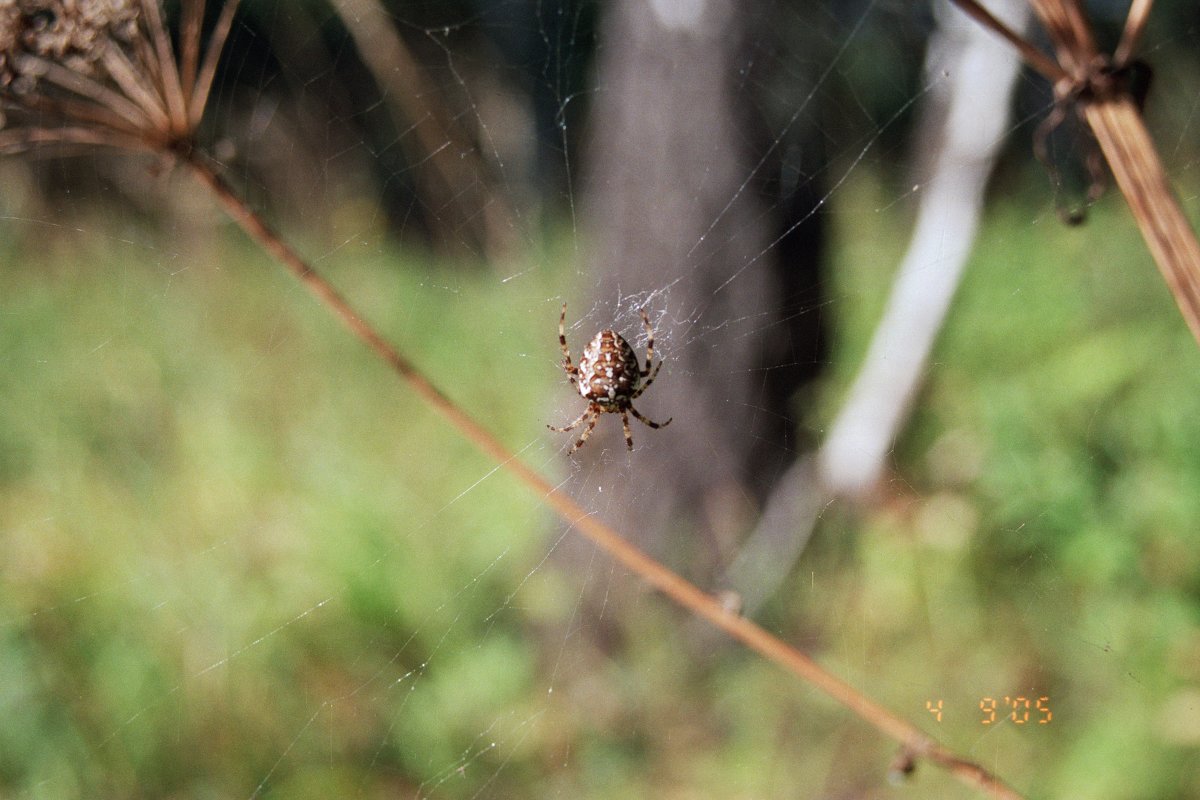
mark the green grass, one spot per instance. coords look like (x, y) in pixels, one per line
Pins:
(1048, 540)
(195, 461)
(237, 552)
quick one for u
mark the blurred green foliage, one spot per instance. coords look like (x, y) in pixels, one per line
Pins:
(237, 557)
(1046, 501)
(221, 518)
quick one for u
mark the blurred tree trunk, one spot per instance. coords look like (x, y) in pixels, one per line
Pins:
(466, 213)
(965, 122)
(682, 211)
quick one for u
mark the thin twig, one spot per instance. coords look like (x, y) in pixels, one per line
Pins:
(22, 139)
(77, 110)
(142, 53)
(1134, 161)
(129, 78)
(1033, 56)
(1135, 25)
(452, 175)
(168, 70)
(1124, 140)
(81, 85)
(190, 25)
(208, 68)
(1066, 22)
(671, 584)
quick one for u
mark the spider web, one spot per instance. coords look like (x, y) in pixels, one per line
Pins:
(240, 559)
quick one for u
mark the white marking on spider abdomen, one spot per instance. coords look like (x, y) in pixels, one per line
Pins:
(609, 370)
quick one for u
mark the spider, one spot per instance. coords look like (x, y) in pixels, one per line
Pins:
(609, 378)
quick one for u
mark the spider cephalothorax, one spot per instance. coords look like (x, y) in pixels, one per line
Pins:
(609, 377)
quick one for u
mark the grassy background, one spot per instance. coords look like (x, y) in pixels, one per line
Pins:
(237, 557)
(1047, 517)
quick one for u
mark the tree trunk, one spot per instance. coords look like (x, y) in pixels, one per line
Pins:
(683, 216)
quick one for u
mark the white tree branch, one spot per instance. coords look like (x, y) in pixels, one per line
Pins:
(973, 101)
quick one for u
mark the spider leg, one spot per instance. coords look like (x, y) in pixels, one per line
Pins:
(647, 422)
(574, 424)
(649, 381)
(586, 431)
(625, 425)
(567, 366)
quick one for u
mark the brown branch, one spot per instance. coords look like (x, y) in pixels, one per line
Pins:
(1131, 154)
(130, 79)
(190, 24)
(1135, 25)
(1033, 56)
(452, 175)
(1134, 161)
(83, 111)
(675, 587)
(1121, 132)
(63, 138)
(75, 83)
(1071, 33)
(169, 81)
(208, 67)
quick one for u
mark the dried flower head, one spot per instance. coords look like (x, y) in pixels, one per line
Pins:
(88, 72)
(73, 33)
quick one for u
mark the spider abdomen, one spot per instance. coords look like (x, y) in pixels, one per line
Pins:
(608, 371)
(609, 378)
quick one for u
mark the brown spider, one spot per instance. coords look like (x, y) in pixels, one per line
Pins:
(609, 378)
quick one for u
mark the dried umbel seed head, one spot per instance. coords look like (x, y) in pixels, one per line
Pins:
(73, 33)
(108, 73)
(10, 17)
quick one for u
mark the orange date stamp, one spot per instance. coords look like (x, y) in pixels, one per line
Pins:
(1019, 710)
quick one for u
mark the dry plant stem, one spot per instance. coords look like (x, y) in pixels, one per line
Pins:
(84, 112)
(77, 84)
(455, 179)
(1034, 57)
(67, 139)
(130, 80)
(1135, 24)
(669, 583)
(189, 45)
(1122, 135)
(1069, 30)
(208, 67)
(169, 80)
(1131, 155)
